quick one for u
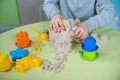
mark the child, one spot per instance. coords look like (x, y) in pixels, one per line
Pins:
(85, 10)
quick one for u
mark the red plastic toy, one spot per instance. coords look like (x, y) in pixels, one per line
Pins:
(22, 39)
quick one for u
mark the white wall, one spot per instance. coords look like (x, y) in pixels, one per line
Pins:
(29, 11)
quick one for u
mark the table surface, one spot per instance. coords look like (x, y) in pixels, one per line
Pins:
(105, 67)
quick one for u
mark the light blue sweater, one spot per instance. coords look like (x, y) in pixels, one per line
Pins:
(85, 10)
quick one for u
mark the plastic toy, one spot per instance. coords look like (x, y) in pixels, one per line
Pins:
(23, 39)
(5, 63)
(42, 36)
(18, 53)
(27, 62)
(89, 49)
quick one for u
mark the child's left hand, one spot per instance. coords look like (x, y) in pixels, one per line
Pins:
(82, 31)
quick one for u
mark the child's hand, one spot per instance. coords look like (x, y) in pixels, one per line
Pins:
(82, 31)
(57, 23)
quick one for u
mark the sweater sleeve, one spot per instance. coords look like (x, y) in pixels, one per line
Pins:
(50, 7)
(106, 15)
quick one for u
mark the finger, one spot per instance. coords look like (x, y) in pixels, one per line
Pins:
(57, 26)
(80, 34)
(61, 25)
(83, 36)
(51, 26)
(54, 28)
(77, 32)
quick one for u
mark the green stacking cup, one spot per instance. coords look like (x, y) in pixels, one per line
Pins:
(89, 55)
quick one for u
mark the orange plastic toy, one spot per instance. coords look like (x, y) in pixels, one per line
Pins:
(27, 62)
(23, 39)
(5, 63)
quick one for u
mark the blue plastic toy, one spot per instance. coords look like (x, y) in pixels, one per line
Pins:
(89, 49)
(89, 44)
(18, 53)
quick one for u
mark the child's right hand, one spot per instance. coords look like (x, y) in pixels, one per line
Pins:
(82, 31)
(56, 23)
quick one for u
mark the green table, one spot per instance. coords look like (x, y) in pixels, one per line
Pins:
(105, 67)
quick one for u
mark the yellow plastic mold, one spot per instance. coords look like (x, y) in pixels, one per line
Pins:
(27, 62)
(5, 63)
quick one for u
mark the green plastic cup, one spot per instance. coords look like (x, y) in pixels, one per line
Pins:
(89, 55)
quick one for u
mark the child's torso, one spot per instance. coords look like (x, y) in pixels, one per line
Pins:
(82, 9)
